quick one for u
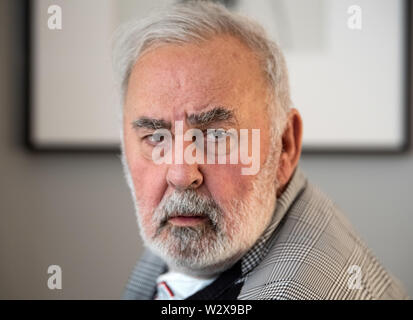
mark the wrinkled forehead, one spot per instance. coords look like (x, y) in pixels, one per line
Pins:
(220, 71)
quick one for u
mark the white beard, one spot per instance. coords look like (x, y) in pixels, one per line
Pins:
(240, 228)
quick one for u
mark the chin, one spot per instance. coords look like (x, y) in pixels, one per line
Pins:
(205, 261)
(201, 269)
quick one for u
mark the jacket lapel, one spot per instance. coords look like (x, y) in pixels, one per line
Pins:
(142, 282)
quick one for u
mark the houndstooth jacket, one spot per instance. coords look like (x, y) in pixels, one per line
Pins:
(308, 251)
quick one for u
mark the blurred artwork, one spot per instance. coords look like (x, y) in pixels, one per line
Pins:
(346, 60)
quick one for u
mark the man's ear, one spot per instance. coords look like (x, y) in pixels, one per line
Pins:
(291, 149)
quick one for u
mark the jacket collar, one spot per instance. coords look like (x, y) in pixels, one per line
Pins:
(255, 255)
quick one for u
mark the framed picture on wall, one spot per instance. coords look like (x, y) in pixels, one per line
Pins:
(348, 65)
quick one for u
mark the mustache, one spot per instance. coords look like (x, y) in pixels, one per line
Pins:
(187, 203)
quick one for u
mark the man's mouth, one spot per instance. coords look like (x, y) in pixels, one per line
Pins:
(187, 221)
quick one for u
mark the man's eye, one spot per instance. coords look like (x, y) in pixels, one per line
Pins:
(154, 139)
(216, 135)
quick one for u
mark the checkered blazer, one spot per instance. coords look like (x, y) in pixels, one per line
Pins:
(308, 251)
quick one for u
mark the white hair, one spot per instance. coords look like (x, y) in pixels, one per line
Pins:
(197, 21)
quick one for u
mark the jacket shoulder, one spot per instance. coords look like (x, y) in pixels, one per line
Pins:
(316, 254)
(141, 284)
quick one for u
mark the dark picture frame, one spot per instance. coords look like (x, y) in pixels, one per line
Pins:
(29, 111)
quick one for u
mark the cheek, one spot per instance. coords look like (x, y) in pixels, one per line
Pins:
(225, 183)
(148, 179)
(149, 185)
(146, 175)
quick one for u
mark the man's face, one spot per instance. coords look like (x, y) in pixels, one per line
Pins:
(199, 217)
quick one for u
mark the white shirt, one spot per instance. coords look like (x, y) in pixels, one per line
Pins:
(178, 286)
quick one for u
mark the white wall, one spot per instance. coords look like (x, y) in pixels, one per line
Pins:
(75, 210)
(70, 210)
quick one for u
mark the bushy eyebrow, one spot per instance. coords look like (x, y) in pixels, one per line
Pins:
(217, 114)
(150, 123)
(202, 119)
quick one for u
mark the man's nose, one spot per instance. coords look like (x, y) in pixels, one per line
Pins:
(184, 176)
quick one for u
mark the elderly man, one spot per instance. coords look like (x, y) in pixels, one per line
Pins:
(193, 77)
